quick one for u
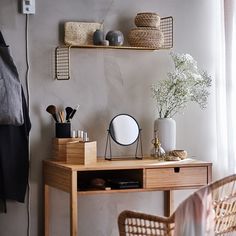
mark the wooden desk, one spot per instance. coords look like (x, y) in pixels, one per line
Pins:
(153, 175)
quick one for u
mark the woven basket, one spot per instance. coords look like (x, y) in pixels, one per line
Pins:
(146, 37)
(182, 154)
(147, 19)
(80, 33)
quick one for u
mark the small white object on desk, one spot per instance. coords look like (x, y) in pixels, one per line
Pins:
(85, 136)
(105, 43)
(74, 135)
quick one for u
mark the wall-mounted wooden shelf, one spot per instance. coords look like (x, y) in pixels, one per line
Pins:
(117, 47)
(62, 53)
(62, 57)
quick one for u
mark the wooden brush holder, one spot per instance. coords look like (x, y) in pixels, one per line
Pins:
(74, 151)
(81, 152)
(59, 147)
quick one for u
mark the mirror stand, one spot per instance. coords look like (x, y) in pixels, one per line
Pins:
(138, 144)
(108, 142)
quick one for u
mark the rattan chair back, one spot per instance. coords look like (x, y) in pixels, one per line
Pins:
(223, 202)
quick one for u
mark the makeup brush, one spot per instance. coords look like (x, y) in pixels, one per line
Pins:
(53, 111)
(61, 116)
(69, 110)
(74, 111)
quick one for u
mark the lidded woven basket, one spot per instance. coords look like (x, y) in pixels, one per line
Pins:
(146, 37)
(182, 154)
(147, 19)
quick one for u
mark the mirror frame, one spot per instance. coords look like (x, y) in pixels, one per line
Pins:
(111, 133)
(138, 141)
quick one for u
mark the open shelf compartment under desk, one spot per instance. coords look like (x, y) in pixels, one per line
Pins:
(113, 180)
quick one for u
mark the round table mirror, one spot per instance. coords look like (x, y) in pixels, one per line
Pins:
(124, 129)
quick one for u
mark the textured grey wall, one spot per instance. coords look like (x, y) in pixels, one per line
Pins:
(104, 83)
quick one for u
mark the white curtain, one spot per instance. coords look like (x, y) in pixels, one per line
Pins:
(225, 82)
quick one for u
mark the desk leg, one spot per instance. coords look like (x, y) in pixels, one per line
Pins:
(168, 202)
(46, 210)
(73, 205)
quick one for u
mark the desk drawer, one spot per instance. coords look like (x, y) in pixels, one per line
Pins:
(177, 177)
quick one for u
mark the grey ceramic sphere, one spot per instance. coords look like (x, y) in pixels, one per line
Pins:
(115, 38)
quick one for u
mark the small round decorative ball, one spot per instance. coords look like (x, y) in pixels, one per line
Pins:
(115, 38)
(97, 183)
(105, 43)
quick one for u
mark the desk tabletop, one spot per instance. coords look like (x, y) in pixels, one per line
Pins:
(128, 164)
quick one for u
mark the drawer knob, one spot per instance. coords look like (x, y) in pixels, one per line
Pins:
(176, 169)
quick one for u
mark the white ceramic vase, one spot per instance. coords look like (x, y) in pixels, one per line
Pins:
(166, 128)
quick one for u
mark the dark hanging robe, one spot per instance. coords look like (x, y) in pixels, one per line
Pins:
(14, 143)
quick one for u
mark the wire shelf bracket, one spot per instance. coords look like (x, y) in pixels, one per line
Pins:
(62, 62)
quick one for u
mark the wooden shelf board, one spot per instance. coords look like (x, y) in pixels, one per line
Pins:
(117, 47)
(91, 192)
(111, 191)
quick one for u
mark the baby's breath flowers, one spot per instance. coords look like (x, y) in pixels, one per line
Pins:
(185, 84)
